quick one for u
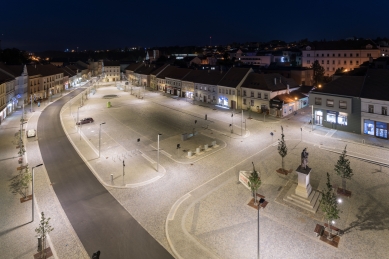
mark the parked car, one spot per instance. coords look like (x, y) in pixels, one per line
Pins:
(31, 133)
(85, 120)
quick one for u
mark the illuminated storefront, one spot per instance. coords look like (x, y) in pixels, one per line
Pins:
(375, 128)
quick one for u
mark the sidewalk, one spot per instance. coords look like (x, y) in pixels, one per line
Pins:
(17, 234)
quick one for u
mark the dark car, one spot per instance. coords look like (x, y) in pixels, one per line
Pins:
(84, 121)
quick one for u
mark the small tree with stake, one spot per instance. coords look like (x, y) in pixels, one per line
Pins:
(42, 230)
(254, 183)
(343, 169)
(329, 205)
(282, 149)
(19, 183)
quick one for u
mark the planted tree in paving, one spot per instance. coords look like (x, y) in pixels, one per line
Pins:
(19, 183)
(42, 230)
(343, 169)
(282, 149)
(329, 205)
(254, 183)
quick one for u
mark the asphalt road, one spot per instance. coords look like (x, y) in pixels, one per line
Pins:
(99, 220)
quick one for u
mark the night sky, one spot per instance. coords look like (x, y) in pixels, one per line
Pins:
(59, 25)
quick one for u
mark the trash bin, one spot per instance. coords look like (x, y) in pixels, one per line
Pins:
(108, 104)
(39, 244)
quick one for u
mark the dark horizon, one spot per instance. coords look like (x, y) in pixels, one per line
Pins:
(99, 25)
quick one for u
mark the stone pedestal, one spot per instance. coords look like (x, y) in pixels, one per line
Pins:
(303, 188)
(301, 194)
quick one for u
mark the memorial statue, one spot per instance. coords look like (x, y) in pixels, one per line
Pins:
(304, 158)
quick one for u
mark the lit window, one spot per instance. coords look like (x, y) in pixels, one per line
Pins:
(330, 103)
(371, 108)
(384, 110)
(342, 104)
(317, 101)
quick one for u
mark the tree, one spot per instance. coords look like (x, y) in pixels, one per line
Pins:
(19, 183)
(339, 71)
(318, 72)
(343, 169)
(282, 149)
(254, 183)
(42, 230)
(21, 148)
(329, 205)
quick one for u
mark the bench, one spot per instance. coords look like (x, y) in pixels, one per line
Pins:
(337, 230)
(319, 230)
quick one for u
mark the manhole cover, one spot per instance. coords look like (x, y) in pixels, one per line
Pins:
(110, 96)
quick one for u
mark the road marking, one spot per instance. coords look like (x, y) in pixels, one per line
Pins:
(175, 206)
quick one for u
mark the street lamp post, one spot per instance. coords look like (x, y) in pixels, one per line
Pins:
(78, 110)
(241, 124)
(32, 192)
(100, 136)
(123, 170)
(312, 119)
(158, 152)
(259, 207)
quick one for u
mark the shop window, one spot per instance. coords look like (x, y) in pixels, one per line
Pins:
(331, 117)
(330, 103)
(342, 105)
(381, 129)
(368, 127)
(317, 101)
(342, 120)
(371, 108)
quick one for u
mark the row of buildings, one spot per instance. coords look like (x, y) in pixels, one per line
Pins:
(236, 88)
(22, 84)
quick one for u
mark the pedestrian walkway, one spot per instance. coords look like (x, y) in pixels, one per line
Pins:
(17, 233)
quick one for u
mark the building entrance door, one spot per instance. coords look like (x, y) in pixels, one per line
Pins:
(319, 119)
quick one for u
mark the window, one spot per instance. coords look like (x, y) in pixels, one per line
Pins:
(345, 54)
(342, 119)
(317, 101)
(338, 54)
(220, 90)
(345, 62)
(331, 117)
(328, 62)
(342, 104)
(196, 95)
(259, 95)
(333, 62)
(384, 110)
(328, 69)
(371, 108)
(244, 92)
(330, 103)
(205, 88)
(308, 62)
(244, 101)
(369, 54)
(233, 92)
(351, 54)
(252, 102)
(381, 129)
(338, 62)
(229, 91)
(357, 54)
(252, 94)
(322, 55)
(357, 62)
(322, 61)
(317, 55)
(308, 55)
(328, 55)
(265, 96)
(351, 62)
(333, 54)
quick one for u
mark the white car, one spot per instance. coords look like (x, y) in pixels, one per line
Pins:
(31, 133)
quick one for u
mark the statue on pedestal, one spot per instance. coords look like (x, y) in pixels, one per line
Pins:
(304, 158)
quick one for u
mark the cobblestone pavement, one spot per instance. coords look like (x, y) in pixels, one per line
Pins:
(195, 207)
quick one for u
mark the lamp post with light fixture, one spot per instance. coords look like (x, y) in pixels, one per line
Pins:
(32, 193)
(100, 137)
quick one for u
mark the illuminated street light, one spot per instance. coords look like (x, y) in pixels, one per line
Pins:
(100, 137)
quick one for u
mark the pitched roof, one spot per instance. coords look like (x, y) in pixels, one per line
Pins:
(290, 97)
(376, 85)
(341, 45)
(345, 86)
(233, 77)
(111, 63)
(159, 69)
(208, 77)
(174, 72)
(68, 71)
(43, 70)
(133, 66)
(270, 82)
(4, 77)
(15, 70)
(145, 69)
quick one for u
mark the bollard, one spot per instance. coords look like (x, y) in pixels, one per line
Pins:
(111, 178)
(363, 141)
(213, 143)
(206, 147)
(190, 154)
(39, 244)
(197, 150)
